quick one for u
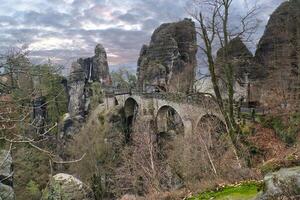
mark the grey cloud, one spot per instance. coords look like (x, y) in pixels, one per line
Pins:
(128, 17)
(49, 19)
(66, 21)
(150, 24)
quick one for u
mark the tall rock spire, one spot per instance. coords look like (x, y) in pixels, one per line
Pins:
(169, 61)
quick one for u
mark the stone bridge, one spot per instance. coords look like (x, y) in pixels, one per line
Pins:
(190, 110)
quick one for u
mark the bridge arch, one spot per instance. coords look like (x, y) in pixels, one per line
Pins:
(168, 120)
(211, 128)
(131, 108)
(170, 130)
(116, 102)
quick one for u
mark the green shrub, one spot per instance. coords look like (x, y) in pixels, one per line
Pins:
(53, 192)
(286, 131)
(33, 189)
(246, 129)
(96, 94)
(270, 166)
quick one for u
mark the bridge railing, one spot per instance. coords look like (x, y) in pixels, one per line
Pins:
(196, 98)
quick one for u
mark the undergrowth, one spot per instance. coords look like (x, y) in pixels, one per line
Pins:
(285, 128)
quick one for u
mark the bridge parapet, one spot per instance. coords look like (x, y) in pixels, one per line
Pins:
(195, 99)
(198, 99)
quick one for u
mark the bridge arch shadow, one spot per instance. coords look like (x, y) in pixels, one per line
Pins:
(211, 129)
(169, 126)
(169, 120)
(116, 102)
(131, 108)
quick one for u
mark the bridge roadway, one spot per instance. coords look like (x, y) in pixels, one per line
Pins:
(191, 109)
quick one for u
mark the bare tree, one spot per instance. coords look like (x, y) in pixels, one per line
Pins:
(215, 31)
(21, 84)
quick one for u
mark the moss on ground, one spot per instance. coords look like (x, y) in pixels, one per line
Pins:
(245, 191)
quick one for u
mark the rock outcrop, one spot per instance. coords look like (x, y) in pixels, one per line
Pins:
(278, 55)
(39, 113)
(83, 73)
(86, 78)
(67, 187)
(96, 67)
(240, 58)
(76, 85)
(169, 62)
(6, 183)
(284, 184)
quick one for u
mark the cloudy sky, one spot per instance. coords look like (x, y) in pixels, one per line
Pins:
(64, 30)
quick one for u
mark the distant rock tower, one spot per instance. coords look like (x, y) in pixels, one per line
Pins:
(83, 73)
(168, 63)
(278, 55)
(96, 67)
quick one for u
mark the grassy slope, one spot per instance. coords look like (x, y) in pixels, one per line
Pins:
(246, 191)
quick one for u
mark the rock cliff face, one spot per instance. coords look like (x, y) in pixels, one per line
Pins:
(240, 58)
(274, 70)
(76, 84)
(96, 67)
(278, 55)
(39, 113)
(169, 61)
(244, 68)
(83, 73)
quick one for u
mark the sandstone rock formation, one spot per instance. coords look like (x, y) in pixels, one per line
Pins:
(96, 67)
(169, 61)
(284, 184)
(6, 189)
(39, 113)
(83, 73)
(278, 55)
(84, 83)
(76, 86)
(67, 187)
(240, 58)
(274, 70)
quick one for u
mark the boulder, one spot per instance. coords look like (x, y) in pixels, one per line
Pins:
(6, 192)
(169, 61)
(67, 187)
(6, 189)
(5, 164)
(283, 184)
